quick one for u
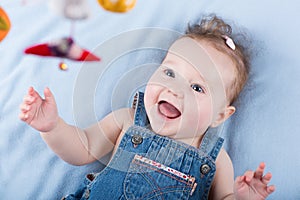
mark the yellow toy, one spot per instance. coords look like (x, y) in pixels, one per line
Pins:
(117, 5)
(4, 24)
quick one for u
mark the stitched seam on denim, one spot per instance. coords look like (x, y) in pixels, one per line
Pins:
(176, 146)
(160, 140)
(208, 185)
(163, 172)
(150, 183)
(216, 149)
(164, 168)
(186, 188)
(98, 177)
(129, 175)
(114, 158)
(162, 192)
(179, 146)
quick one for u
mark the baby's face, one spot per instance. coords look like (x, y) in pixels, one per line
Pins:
(186, 94)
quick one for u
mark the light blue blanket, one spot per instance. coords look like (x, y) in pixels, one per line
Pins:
(263, 129)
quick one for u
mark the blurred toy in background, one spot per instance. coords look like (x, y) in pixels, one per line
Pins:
(4, 24)
(117, 5)
(71, 9)
(74, 10)
(66, 47)
(62, 48)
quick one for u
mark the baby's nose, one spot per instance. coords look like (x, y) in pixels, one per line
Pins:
(176, 91)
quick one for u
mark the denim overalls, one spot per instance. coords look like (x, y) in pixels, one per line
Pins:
(149, 166)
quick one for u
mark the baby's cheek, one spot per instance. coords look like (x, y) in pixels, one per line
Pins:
(201, 118)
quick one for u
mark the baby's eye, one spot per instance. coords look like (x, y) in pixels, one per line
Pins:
(197, 88)
(170, 73)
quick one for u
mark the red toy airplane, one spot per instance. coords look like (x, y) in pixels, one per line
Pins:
(63, 48)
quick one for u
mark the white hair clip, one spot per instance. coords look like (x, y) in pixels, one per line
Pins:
(229, 42)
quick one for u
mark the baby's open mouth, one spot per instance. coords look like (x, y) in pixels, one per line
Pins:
(168, 110)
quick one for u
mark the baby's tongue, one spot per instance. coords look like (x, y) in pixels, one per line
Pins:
(168, 110)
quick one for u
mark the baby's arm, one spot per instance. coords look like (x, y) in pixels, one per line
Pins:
(254, 185)
(222, 186)
(72, 144)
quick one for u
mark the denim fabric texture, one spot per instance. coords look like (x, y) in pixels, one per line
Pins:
(149, 166)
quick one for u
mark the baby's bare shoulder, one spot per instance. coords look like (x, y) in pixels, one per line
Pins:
(123, 117)
(223, 159)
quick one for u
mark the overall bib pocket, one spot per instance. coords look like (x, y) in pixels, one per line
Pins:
(147, 179)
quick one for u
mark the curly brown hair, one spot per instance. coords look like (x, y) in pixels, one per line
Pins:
(213, 29)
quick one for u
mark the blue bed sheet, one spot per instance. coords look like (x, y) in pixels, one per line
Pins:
(264, 127)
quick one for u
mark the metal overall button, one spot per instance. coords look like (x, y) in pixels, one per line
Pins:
(91, 177)
(136, 139)
(205, 168)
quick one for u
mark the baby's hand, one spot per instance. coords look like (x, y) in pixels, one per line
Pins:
(253, 185)
(39, 113)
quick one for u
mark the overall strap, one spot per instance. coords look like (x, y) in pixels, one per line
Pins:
(211, 144)
(140, 115)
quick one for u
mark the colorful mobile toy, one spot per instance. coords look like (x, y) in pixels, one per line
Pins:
(4, 24)
(75, 10)
(65, 48)
(117, 5)
(62, 48)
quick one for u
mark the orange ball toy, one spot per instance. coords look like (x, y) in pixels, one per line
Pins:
(4, 24)
(117, 5)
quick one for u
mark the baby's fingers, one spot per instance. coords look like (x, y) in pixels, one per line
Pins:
(28, 99)
(24, 116)
(260, 170)
(32, 92)
(240, 182)
(25, 107)
(266, 178)
(249, 176)
(31, 96)
(27, 115)
(26, 111)
(270, 189)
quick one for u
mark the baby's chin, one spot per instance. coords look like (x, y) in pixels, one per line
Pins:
(164, 131)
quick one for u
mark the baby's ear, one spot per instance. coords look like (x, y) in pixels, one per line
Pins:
(223, 116)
